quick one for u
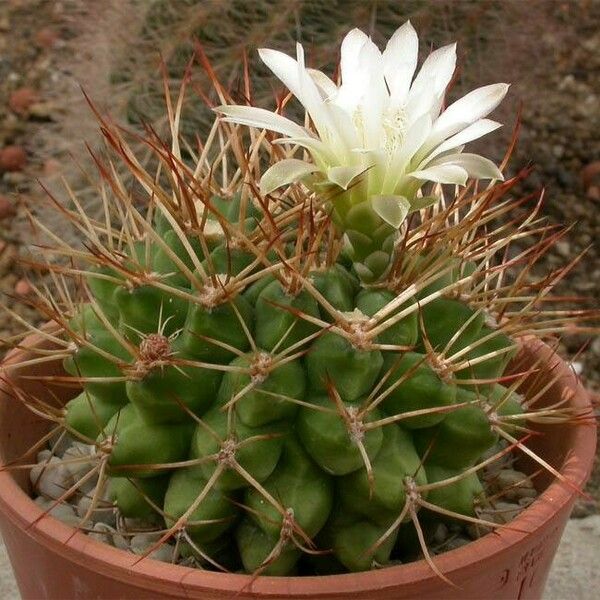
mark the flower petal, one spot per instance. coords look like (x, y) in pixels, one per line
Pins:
(284, 172)
(467, 110)
(261, 118)
(436, 72)
(392, 209)
(318, 150)
(343, 176)
(326, 86)
(400, 61)
(284, 67)
(472, 132)
(475, 165)
(319, 111)
(375, 98)
(442, 174)
(352, 88)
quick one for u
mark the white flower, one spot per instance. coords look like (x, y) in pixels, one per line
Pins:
(382, 134)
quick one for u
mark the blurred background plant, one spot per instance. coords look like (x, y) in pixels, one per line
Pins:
(548, 49)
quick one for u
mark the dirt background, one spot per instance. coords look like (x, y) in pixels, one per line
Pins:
(49, 49)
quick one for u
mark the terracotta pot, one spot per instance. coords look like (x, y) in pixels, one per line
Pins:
(52, 560)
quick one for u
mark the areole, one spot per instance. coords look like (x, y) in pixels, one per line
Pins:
(53, 560)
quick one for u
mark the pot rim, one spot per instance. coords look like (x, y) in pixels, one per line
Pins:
(148, 573)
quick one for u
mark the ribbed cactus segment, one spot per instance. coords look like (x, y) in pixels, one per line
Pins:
(264, 395)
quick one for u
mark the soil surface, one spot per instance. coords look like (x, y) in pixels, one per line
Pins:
(549, 50)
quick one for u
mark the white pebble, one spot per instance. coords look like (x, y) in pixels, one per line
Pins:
(441, 534)
(43, 456)
(50, 478)
(60, 442)
(62, 512)
(79, 460)
(101, 532)
(165, 553)
(141, 542)
(103, 513)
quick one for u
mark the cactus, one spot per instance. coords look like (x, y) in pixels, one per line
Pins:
(243, 378)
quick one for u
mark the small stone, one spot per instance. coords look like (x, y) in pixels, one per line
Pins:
(590, 175)
(43, 456)
(62, 511)
(563, 248)
(50, 478)
(132, 524)
(23, 288)
(120, 541)
(164, 553)
(593, 192)
(42, 111)
(7, 208)
(501, 513)
(441, 534)
(103, 513)
(15, 178)
(142, 542)
(110, 536)
(21, 100)
(66, 514)
(60, 442)
(584, 508)
(52, 167)
(79, 459)
(512, 485)
(45, 38)
(456, 542)
(12, 158)
(475, 531)
(101, 532)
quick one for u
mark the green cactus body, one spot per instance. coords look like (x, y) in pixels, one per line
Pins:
(259, 552)
(337, 286)
(459, 496)
(499, 349)
(414, 385)
(97, 360)
(402, 333)
(213, 515)
(300, 486)
(142, 309)
(271, 397)
(329, 439)
(87, 415)
(260, 393)
(384, 500)
(258, 456)
(223, 324)
(447, 320)
(356, 543)
(460, 439)
(137, 498)
(332, 360)
(240, 420)
(277, 322)
(138, 444)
